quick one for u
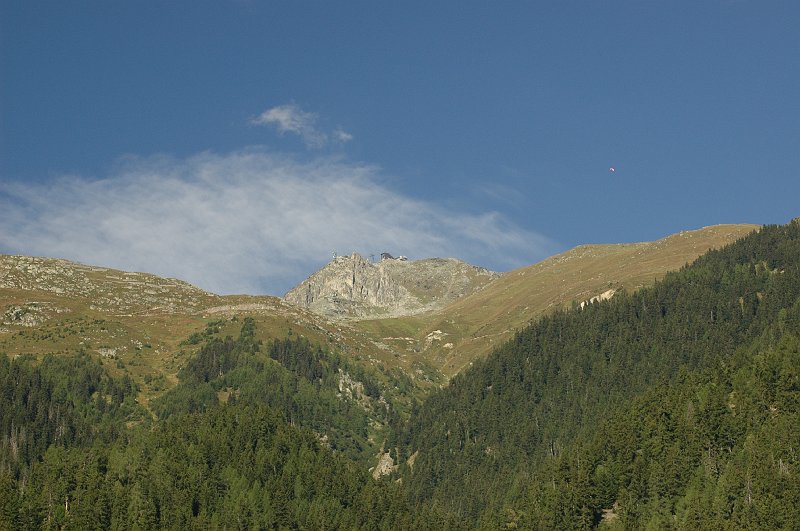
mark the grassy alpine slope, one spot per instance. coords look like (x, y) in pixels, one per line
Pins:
(139, 323)
(451, 338)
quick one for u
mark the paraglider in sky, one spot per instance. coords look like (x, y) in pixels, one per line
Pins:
(612, 169)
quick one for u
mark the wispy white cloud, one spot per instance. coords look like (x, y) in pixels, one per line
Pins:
(342, 135)
(248, 221)
(292, 119)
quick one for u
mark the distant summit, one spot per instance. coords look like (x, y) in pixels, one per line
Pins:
(353, 287)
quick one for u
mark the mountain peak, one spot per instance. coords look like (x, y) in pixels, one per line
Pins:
(354, 287)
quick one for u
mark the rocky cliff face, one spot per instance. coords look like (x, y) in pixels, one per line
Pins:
(353, 287)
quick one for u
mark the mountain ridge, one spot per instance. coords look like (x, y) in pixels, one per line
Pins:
(54, 305)
(471, 326)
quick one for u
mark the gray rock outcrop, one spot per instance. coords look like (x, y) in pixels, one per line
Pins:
(353, 287)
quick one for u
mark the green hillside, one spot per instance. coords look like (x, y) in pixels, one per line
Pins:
(234, 466)
(672, 406)
(669, 406)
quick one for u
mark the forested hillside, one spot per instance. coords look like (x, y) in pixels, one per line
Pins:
(254, 436)
(306, 383)
(675, 405)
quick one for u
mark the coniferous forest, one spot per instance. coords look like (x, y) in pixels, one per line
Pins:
(674, 407)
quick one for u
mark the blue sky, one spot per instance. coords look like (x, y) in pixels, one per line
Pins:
(235, 144)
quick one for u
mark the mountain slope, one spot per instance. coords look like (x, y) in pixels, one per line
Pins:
(468, 328)
(77, 453)
(671, 406)
(141, 322)
(649, 407)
